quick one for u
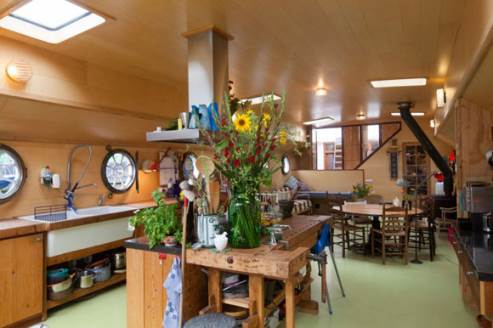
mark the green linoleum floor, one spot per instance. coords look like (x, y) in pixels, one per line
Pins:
(394, 295)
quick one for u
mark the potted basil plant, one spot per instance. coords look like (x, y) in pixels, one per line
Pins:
(160, 223)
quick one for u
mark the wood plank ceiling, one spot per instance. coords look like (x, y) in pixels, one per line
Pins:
(286, 45)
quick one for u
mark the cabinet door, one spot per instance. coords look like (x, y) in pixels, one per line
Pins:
(21, 278)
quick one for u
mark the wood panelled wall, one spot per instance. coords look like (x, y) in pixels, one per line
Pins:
(351, 147)
(39, 155)
(474, 137)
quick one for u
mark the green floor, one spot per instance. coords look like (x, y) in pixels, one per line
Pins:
(394, 295)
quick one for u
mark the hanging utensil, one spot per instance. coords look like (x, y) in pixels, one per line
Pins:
(205, 165)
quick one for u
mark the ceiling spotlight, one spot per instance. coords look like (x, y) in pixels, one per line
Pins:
(319, 121)
(441, 97)
(19, 71)
(414, 82)
(360, 116)
(321, 91)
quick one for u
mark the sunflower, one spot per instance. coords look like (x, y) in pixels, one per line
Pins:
(242, 122)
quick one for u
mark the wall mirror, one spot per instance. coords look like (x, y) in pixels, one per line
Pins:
(12, 173)
(118, 171)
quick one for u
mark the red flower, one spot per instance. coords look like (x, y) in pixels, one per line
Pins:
(257, 152)
(251, 159)
(226, 153)
(236, 163)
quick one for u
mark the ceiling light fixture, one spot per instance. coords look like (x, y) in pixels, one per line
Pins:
(441, 97)
(360, 116)
(321, 91)
(319, 121)
(413, 114)
(51, 21)
(414, 82)
(19, 71)
(259, 99)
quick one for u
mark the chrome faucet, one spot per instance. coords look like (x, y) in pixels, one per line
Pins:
(71, 188)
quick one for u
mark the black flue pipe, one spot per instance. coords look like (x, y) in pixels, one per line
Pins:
(428, 147)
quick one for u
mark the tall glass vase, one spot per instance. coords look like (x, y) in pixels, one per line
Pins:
(244, 219)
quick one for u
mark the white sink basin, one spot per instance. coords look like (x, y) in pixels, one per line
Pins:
(90, 211)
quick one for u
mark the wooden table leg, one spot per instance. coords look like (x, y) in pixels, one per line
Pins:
(215, 290)
(290, 303)
(256, 292)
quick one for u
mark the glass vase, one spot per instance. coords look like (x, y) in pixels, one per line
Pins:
(244, 219)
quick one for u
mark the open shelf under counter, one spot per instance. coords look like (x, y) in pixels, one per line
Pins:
(81, 292)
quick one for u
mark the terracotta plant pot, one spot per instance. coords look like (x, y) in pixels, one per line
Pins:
(169, 241)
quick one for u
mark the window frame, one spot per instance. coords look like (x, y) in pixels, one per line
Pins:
(104, 164)
(22, 169)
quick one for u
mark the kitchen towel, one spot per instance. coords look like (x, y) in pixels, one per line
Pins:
(173, 286)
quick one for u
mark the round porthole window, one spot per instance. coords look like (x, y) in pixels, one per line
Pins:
(285, 166)
(189, 166)
(118, 171)
(12, 173)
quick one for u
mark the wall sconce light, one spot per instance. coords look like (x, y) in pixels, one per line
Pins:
(441, 97)
(321, 91)
(19, 71)
(360, 116)
(432, 123)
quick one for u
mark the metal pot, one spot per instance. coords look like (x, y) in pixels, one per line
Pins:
(119, 260)
(102, 270)
(87, 279)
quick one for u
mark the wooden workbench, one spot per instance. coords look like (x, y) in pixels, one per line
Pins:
(281, 262)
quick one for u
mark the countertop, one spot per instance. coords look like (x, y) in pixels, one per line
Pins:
(18, 227)
(141, 243)
(479, 249)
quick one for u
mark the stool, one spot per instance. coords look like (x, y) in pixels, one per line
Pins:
(211, 320)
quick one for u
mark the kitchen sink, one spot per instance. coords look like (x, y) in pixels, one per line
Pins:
(89, 211)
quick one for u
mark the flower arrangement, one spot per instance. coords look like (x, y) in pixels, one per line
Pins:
(244, 145)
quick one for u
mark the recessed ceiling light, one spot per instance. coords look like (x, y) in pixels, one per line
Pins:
(321, 91)
(414, 82)
(319, 121)
(441, 98)
(260, 99)
(52, 21)
(413, 114)
(360, 117)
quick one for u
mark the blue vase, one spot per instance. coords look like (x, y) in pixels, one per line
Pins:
(213, 113)
(205, 119)
(194, 120)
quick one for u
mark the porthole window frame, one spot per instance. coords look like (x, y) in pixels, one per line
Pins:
(22, 168)
(106, 182)
(284, 158)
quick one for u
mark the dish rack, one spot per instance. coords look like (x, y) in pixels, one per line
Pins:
(50, 213)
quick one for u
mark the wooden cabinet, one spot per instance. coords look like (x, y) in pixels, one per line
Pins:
(21, 279)
(146, 297)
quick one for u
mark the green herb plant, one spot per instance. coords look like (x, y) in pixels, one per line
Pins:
(159, 222)
(361, 190)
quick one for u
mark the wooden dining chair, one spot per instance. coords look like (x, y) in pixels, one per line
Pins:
(422, 227)
(343, 233)
(392, 234)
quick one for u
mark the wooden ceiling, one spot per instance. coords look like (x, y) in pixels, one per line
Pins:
(286, 45)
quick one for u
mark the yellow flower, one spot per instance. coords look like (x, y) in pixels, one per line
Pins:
(242, 122)
(266, 119)
(283, 137)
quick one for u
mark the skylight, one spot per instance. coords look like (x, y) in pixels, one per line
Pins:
(52, 21)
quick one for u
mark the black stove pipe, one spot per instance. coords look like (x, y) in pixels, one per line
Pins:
(428, 147)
